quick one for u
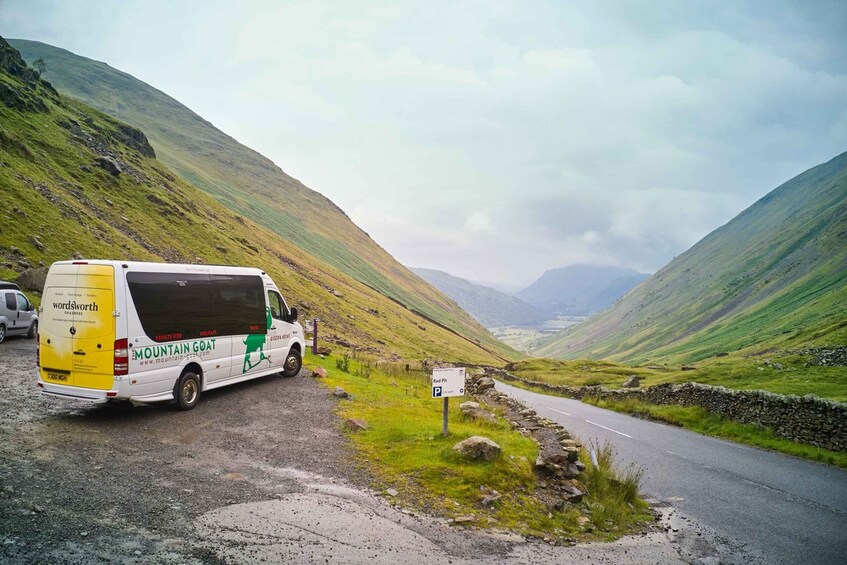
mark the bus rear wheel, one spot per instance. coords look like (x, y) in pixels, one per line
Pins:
(187, 392)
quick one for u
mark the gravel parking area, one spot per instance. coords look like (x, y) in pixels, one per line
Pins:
(258, 472)
(82, 483)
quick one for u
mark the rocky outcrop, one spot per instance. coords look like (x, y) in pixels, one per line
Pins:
(109, 164)
(136, 139)
(835, 356)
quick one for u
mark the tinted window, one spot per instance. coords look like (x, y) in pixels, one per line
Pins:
(174, 306)
(11, 302)
(278, 309)
(239, 304)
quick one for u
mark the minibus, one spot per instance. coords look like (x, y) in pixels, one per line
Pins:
(155, 332)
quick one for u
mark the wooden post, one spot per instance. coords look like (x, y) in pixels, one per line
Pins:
(444, 431)
(315, 336)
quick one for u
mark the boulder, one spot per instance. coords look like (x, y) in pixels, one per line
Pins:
(109, 164)
(572, 494)
(340, 393)
(480, 414)
(319, 372)
(355, 425)
(468, 406)
(478, 447)
(483, 384)
(634, 381)
(33, 279)
(490, 499)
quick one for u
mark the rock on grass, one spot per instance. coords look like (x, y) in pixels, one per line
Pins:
(478, 447)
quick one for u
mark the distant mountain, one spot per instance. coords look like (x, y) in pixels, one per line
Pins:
(251, 185)
(773, 277)
(579, 290)
(506, 288)
(490, 307)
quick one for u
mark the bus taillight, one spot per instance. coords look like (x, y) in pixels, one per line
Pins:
(121, 357)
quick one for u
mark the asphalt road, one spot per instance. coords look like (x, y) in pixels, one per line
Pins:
(785, 509)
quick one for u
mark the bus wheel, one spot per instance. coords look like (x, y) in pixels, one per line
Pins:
(187, 391)
(292, 364)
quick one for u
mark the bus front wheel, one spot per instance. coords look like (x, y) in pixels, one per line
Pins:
(293, 362)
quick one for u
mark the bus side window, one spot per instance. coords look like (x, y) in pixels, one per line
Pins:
(277, 305)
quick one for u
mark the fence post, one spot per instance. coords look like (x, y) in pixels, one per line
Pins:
(315, 336)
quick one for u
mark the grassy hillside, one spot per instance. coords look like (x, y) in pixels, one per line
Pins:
(773, 277)
(490, 307)
(579, 290)
(58, 202)
(248, 183)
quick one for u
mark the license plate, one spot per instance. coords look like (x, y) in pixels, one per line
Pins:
(56, 377)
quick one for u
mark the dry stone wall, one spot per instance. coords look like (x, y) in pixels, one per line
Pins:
(807, 419)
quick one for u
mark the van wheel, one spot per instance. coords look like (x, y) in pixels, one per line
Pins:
(292, 364)
(187, 392)
(2, 332)
(33, 330)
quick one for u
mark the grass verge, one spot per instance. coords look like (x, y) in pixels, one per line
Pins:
(698, 419)
(778, 372)
(403, 449)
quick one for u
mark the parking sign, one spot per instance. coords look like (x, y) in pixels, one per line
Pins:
(448, 382)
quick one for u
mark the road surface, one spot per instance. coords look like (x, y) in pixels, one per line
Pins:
(788, 510)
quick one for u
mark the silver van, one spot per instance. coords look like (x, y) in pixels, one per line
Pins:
(17, 314)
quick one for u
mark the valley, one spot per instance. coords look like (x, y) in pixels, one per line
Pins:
(671, 388)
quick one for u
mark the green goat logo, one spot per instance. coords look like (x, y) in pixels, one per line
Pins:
(256, 343)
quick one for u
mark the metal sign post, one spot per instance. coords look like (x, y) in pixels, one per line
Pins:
(444, 430)
(447, 383)
(315, 336)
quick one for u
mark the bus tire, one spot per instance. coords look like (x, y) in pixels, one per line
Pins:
(293, 363)
(187, 391)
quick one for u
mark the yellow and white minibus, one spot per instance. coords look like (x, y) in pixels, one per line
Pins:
(152, 332)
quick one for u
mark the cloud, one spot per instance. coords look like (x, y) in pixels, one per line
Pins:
(492, 140)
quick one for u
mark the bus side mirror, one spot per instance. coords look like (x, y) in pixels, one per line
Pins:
(292, 316)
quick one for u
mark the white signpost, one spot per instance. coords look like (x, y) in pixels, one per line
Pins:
(447, 383)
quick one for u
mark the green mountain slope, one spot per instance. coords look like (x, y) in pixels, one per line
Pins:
(62, 197)
(579, 290)
(248, 183)
(774, 276)
(490, 307)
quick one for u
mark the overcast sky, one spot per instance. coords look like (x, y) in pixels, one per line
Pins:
(498, 139)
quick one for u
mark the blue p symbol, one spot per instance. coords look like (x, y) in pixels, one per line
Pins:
(436, 392)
